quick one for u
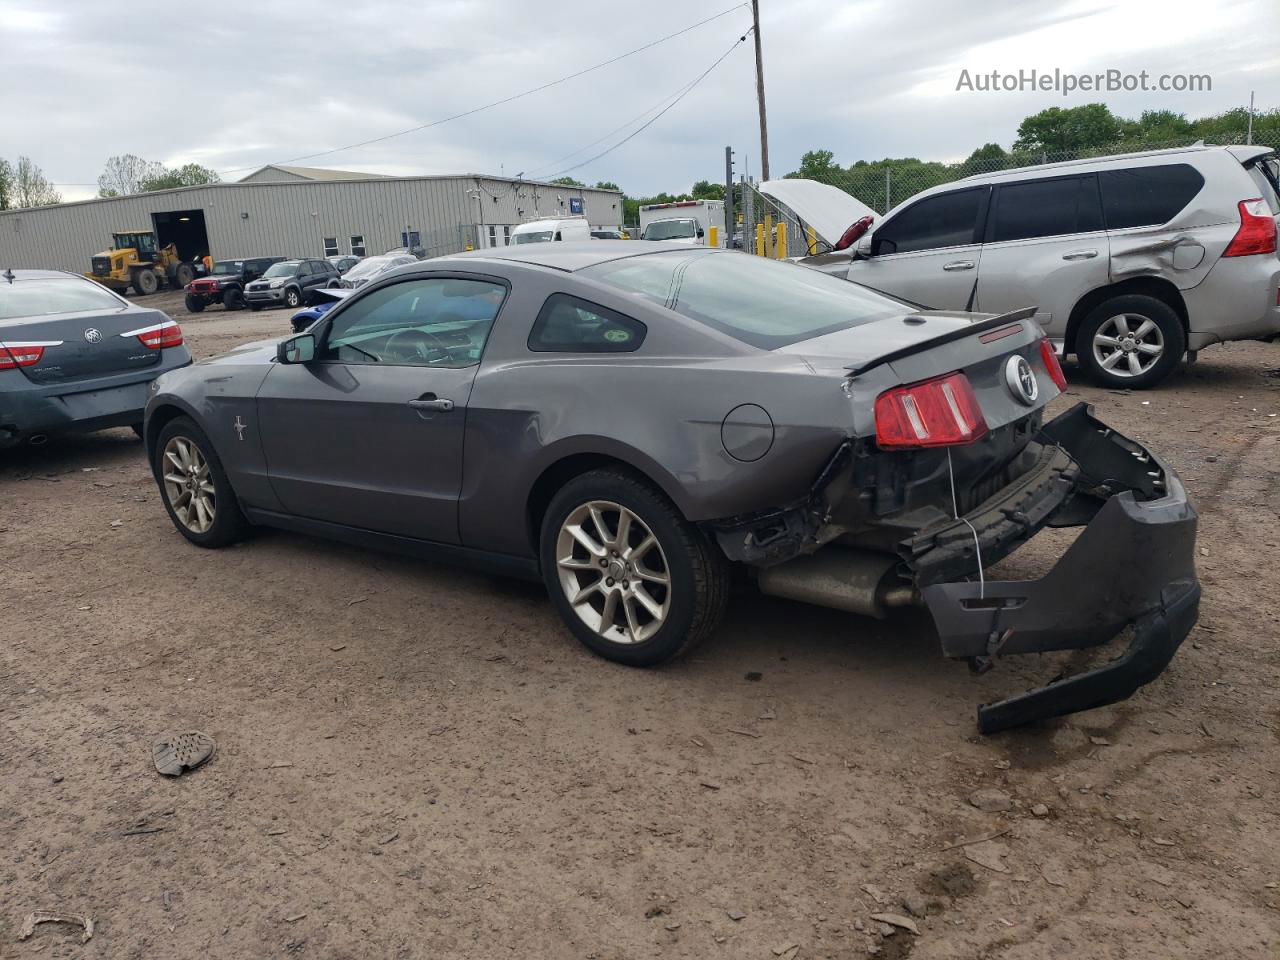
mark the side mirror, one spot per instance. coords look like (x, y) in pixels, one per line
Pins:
(701, 232)
(299, 349)
(863, 248)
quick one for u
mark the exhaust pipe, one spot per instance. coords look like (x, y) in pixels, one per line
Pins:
(38, 439)
(857, 581)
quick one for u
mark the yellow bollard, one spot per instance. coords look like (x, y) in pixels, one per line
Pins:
(713, 237)
(759, 239)
(469, 248)
(780, 247)
(768, 235)
(812, 247)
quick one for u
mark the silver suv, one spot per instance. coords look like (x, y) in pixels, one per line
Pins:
(1132, 260)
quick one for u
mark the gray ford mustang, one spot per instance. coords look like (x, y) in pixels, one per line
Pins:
(629, 425)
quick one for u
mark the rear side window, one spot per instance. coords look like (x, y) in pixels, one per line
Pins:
(1262, 175)
(566, 324)
(1146, 196)
(947, 220)
(1045, 208)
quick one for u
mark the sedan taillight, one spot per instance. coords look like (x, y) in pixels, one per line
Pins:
(1257, 233)
(941, 412)
(1053, 365)
(167, 334)
(14, 355)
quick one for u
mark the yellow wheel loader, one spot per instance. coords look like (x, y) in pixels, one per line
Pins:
(134, 261)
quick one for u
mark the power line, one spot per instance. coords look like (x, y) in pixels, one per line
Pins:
(685, 92)
(504, 100)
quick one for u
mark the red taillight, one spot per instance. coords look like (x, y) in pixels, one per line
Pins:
(166, 335)
(1257, 233)
(1053, 365)
(942, 412)
(14, 355)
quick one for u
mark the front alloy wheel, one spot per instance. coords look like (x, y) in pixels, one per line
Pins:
(188, 485)
(613, 572)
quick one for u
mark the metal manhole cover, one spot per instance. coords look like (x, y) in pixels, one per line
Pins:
(174, 753)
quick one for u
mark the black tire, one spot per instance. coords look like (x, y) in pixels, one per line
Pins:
(145, 282)
(293, 298)
(1136, 309)
(233, 298)
(193, 303)
(183, 274)
(229, 524)
(698, 572)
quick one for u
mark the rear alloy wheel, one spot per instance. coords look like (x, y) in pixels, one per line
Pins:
(293, 298)
(1130, 341)
(629, 575)
(197, 493)
(233, 298)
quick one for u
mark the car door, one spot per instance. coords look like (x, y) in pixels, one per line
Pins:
(929, 251)
(1045, 247)
(369, 434)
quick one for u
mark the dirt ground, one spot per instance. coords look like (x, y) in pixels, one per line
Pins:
(417, 761)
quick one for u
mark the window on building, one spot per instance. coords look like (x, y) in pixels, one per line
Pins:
(330, 246)
(493, 235)
(506, 235)
(357, 245)
(566, 324)
(410, 239)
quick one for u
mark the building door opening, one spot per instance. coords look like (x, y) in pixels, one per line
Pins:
(185, 229)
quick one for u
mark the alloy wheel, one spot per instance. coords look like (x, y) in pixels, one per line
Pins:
(613, 572)
(1128, 345)
(188, 484)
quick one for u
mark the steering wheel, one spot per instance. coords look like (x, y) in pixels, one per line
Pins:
(414, 344)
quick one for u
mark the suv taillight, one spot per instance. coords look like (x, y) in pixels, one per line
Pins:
(14, 355)
(166, 335)
(1257, 233)
(941, 412)
(1053, 365)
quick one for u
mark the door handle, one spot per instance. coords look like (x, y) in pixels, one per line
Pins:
(1080, 255)
(429, 401)
(958, 265)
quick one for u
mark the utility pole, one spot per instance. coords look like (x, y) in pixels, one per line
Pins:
(1249, 138)
(764, 126)
(729, 222)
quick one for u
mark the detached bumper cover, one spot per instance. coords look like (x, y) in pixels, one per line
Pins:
(1132, 565)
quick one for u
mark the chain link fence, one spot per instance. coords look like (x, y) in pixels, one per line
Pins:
(883, 184)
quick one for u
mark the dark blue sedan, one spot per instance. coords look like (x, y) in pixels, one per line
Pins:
(326, 300)
(75, 356)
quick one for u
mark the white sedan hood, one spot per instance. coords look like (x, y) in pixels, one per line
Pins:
(829, 210)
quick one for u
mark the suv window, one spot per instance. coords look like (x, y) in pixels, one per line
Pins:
(566, 324)
(430, 322)
(947, 220)
(1045, 208)
(1145, 196)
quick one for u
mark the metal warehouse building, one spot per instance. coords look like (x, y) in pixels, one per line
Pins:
(301, 212)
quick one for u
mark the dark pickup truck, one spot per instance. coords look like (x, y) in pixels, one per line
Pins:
(225, 285)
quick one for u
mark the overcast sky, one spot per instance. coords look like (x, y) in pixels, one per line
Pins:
(234, 84)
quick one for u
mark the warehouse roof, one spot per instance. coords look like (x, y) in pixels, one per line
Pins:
(315, 173)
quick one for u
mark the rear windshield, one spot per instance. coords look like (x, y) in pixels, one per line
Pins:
(40, 298)
(765, 303)
(539, 236)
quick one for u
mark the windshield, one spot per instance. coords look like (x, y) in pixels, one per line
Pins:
(538, 236)
(369, 267)
(766, 303)
(228, 266)
(285, 268)
(670, 230)
(39, 298)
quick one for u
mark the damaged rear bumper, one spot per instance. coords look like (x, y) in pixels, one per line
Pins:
(1133, 564)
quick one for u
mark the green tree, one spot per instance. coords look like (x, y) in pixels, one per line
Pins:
(125, 174)
(607, 185)
(6, 184)
(1068, 130)
(188, 175)
(706, 190)
(30, 188)
(568, 182)
(988, 157)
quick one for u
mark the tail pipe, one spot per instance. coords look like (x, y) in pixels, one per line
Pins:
(856, 581)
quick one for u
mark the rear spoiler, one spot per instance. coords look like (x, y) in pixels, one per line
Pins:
(980, 326)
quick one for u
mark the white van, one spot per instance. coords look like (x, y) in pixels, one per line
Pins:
(684, 221)
(542, 231)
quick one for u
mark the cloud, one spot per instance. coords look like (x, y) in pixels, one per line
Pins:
(243, 83)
